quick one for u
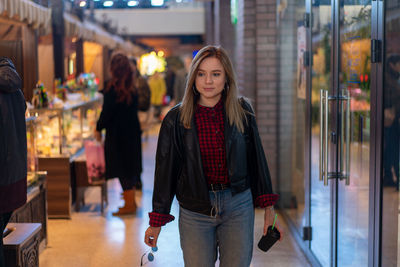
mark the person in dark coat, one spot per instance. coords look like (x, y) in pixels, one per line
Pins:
(123, 148)
(13, 150)
(391, 122)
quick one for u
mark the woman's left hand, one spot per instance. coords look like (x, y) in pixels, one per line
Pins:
(269, 220)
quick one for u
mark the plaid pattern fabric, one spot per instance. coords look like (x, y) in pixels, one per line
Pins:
(266, 200)
(158, 219)
(210, 130)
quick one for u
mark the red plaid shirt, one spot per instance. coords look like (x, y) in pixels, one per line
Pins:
(210, 131)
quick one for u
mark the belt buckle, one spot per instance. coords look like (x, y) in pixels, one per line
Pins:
(212, 187)
(215, 187)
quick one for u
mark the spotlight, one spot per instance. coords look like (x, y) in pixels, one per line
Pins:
(157, 2)
(108, 3)
(133, 3)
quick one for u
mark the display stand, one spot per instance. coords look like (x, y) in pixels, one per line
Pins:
(58, 185)
(35, 209)
(21, 244)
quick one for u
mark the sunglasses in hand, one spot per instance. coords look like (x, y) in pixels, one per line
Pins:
(150, 256)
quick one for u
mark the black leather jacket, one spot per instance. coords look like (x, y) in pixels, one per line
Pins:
(179, 168)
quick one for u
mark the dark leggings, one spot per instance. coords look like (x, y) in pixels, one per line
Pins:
(4, 218)
(128, 183)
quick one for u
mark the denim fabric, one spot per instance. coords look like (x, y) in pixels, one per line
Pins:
(229, 230)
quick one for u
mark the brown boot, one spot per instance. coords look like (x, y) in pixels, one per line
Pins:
(129, 206)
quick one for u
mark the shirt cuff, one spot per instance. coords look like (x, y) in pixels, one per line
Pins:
(159, 219)
(266, 200)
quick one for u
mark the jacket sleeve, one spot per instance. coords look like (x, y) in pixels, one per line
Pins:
(109, 103)
(168, 165)
(260, 178)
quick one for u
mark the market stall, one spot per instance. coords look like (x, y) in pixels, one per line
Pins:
(64, 120)
(19, 22)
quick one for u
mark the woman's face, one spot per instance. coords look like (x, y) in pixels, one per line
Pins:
(210, 81)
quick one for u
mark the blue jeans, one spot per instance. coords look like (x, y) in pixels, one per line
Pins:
(229, 229)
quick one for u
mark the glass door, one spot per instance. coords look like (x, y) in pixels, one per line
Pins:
(292, 110)
(354, 143)
(340, 131)
(321, 208)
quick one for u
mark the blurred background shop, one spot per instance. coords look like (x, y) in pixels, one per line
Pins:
(323, 76)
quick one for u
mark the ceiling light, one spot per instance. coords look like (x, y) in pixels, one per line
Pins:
(157, 2)
(108, 3)
(82, 4)
(133, 3)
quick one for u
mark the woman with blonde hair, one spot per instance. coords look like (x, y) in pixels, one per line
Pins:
(210, 157)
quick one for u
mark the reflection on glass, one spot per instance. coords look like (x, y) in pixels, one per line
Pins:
(31, 147)
(321, 209)
(63, 130)
(292, 111)
(354, 81)
(391, 134)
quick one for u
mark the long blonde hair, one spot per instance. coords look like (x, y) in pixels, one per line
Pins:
(234, 111)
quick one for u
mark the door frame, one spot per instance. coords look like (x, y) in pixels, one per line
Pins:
(376, 141)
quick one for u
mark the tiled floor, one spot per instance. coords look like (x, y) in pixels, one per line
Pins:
(90, 239)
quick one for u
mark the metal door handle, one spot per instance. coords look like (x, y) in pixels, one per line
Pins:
(347, 174)
(323, 137)
(326, 100)
(345, 138)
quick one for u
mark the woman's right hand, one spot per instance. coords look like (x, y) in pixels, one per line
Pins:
(151, 236)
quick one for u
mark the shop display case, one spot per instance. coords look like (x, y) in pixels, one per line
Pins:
(60, 135)
(31, 147)
(61, 131)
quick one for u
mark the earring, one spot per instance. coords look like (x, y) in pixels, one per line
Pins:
(226, 87)
(195, 90)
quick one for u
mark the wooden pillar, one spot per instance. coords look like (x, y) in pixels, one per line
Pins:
(80, 61)
(30, 72)
(57, 21)
(80, 67)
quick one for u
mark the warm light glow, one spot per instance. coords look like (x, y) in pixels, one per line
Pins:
(160, 53)
(133, 3)
(157, 2)
(82, 4)
(150, 63)
(108, 3)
